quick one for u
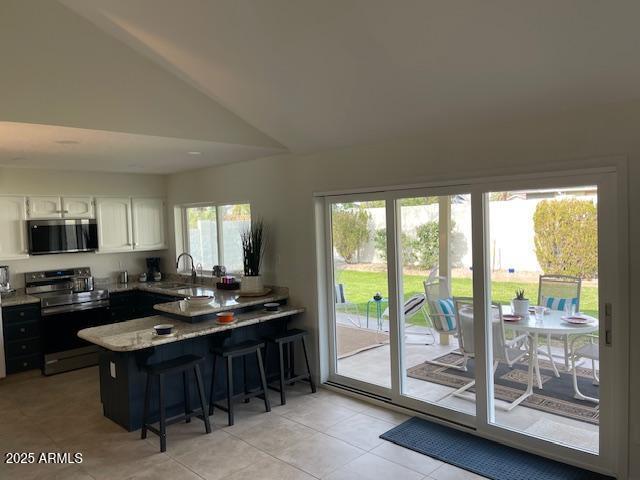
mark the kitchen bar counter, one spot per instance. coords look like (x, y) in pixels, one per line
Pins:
(138, 334)
(128, 346)
(223, 301)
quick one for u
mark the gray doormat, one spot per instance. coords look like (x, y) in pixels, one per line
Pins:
(479, 455)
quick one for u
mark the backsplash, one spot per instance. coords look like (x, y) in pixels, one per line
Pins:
(102, 265)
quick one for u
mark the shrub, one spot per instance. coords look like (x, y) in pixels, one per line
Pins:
(409, 257)
(427, 244)
(566, 237)
(350, 232)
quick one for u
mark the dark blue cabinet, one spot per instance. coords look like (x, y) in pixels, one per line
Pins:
(22, 337)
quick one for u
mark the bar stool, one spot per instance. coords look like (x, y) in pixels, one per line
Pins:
(240, 350)
(176, 365)
(289, 338)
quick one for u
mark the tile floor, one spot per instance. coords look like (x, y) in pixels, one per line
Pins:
(325, 435)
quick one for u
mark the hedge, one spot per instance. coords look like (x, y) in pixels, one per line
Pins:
(566, 237)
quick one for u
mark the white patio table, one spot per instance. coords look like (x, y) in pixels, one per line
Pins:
(552, 323)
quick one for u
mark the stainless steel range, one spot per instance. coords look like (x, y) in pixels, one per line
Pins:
(68, 304)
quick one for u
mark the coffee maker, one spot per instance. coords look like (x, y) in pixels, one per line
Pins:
(153, 267)
(5, 280)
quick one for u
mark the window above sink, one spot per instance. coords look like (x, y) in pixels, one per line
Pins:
(210, 233)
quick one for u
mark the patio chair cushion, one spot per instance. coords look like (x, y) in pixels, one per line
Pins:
(444, 319)
(558, 303)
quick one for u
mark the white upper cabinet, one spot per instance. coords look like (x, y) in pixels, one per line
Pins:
(126, 224)
(114, 224)
(43, 207)
(78, 207)
(148, 223)
(13, 244)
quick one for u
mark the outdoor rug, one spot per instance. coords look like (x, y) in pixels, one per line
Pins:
(556, 396)
(352, 340)
(481, 456)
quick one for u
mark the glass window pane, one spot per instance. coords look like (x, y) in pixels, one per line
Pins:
(361, 291)
(202, 235)
(235, 218)
(437, 290)
(544, 275)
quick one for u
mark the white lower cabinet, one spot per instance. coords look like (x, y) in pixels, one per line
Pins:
(127, 224)
(13, 241)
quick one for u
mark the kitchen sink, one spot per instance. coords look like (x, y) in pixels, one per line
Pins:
(190, 291)
(168, 285)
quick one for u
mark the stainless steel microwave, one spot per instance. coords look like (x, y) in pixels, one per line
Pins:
(62, 236)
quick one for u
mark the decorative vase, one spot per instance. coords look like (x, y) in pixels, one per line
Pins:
(521, 307)
(251, 284)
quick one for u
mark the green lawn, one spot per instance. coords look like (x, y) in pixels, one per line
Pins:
(361, 286)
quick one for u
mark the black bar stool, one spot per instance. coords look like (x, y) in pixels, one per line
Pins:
(289, 338)
(240, 350)
(176, 365)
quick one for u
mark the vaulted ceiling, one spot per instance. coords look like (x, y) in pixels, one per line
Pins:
(308, 75)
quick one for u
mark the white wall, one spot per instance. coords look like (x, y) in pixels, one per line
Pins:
(280, 188)
(44, 182)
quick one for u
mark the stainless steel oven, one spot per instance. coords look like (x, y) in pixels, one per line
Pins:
(65, 310)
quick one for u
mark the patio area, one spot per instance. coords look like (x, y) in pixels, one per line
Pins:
(554, 415)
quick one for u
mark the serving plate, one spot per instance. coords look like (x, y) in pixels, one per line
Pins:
(577, 320)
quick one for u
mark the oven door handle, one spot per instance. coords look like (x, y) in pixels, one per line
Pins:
(46, 312)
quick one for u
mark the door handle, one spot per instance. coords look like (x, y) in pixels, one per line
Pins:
(608, 324)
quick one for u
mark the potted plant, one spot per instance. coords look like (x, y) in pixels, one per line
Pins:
(252, 252)
(520, 304)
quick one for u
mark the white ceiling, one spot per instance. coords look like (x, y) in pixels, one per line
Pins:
(27, 145)
(321, 74)
(139, 84)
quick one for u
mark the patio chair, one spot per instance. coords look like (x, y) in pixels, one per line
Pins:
(554, 292)
(589, 351)
(341, 299)
(412, 306)
(506, 351)
(440, 305)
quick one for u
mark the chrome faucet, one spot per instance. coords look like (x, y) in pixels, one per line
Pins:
(194, 274)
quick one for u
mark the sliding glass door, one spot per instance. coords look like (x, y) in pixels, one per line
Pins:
(359, 284)
(488, 305)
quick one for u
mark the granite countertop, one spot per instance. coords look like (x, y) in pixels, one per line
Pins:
(18, 298)
(139, 334)
(223, 300)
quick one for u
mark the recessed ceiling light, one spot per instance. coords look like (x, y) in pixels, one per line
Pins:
(67, 142)
(194, 153)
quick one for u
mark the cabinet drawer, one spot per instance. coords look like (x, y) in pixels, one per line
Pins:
(20, 313)
(22, 347)
(21, 364)
(21, 331)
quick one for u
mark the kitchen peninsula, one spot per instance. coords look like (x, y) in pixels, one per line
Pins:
(130, 345)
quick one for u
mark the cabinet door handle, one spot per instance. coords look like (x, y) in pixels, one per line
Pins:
(23, 347)
(21, 314)
(22, 329)
(24, 364)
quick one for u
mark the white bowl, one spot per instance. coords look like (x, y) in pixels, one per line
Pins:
(200, 300)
